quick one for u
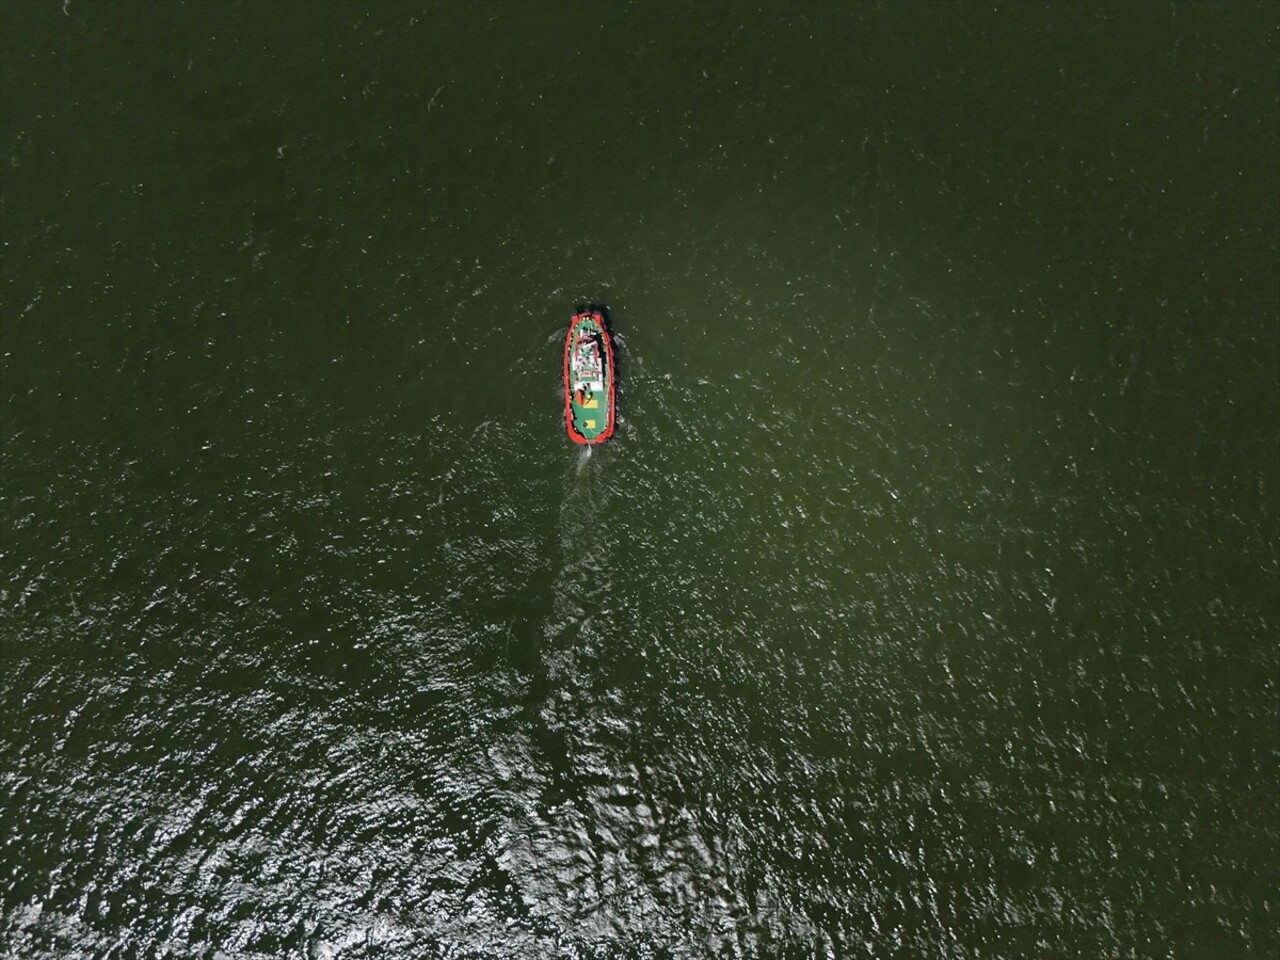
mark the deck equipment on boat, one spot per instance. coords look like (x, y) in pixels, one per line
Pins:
(588, 379)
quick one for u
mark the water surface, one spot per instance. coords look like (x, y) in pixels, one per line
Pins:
(924, 604)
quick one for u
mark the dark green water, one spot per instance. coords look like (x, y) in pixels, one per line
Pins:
(924, 606)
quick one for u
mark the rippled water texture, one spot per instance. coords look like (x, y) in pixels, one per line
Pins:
(923, 606)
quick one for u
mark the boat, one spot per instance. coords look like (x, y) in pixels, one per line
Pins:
(588, 378)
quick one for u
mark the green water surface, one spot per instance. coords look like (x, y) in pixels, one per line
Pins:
(924, 604)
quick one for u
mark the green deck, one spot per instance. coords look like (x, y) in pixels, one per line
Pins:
(589, 381)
